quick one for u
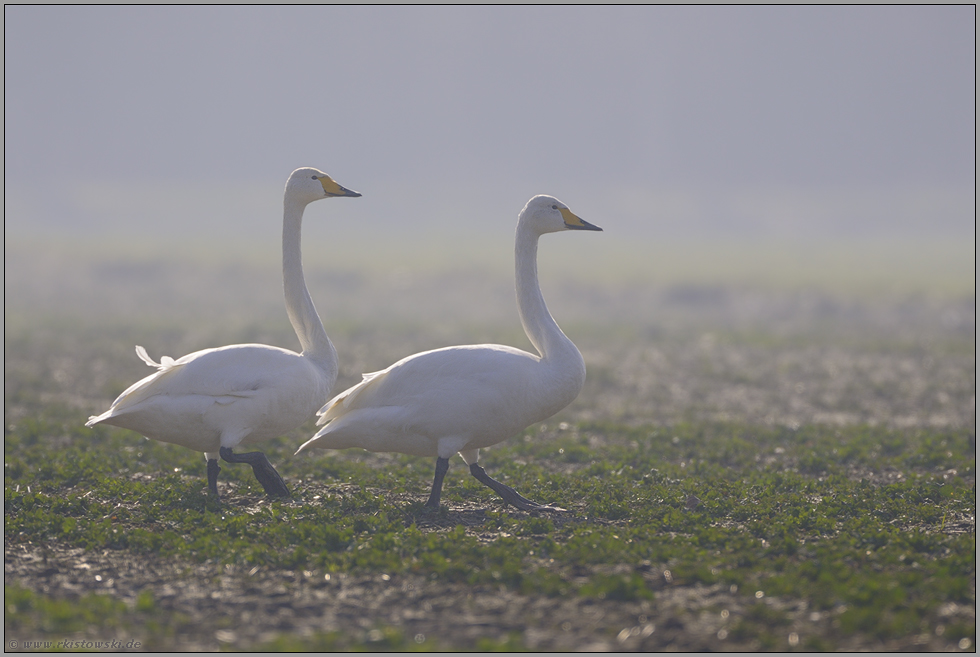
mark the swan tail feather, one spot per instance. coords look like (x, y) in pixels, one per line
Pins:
(166, 362)
(145, 357)
(308, 443)
(342, 402)
(315, 440)
(141, 390)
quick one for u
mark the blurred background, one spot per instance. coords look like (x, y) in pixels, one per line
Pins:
(714, 143)
(789, 169)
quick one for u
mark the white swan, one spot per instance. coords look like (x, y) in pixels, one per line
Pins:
(216, 399)
(459, 399)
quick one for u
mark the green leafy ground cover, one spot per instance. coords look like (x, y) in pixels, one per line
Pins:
(870, 532)
(744, 470)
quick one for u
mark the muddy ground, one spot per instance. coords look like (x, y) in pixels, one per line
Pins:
(217, 607)
(656, 357)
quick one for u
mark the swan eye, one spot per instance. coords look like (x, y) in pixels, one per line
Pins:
(554, 207)
(313, 177)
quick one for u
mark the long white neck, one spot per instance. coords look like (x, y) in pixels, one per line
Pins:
(539, 325)
(299, 306)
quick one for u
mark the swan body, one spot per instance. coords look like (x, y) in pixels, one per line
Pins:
(217, 399)
(459, 399)
(227, 396)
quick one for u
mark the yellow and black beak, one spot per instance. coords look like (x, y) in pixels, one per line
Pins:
(333, 188)
(572, 222)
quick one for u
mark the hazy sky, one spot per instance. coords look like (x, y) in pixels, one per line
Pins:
(727, 118)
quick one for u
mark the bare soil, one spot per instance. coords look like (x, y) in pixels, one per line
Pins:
(655, 357)
(226, 607)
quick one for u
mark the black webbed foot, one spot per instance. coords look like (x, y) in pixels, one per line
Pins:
(510, 495)
(271, 481)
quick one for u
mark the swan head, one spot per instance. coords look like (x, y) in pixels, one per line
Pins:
(546, 214)
(308, 184)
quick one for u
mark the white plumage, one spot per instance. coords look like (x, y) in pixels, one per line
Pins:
(216, 399)
(459, 399)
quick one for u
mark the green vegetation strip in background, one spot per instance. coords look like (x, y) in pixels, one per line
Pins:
(856, 520)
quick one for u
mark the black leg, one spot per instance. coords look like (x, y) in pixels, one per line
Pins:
(266, 474)
(213, 470)
(510, 495)
(442, 467)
